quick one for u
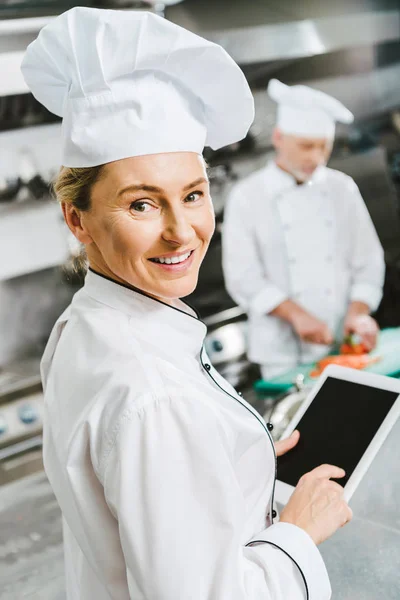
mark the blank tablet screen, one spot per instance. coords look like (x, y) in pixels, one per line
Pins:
(336, 428)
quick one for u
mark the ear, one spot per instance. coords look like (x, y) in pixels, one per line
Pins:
(73, 219)
(277, 138)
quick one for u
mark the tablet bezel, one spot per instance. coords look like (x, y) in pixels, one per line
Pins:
(283, 490)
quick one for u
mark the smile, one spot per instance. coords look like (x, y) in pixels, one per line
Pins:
(173, 260)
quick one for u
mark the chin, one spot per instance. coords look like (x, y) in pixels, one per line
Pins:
(178, 289)
(302, 176)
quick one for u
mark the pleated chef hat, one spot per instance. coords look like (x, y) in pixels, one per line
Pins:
(305, 112)
(130, 83)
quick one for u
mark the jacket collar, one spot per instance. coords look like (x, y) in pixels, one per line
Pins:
(172, 329)
(280, 182)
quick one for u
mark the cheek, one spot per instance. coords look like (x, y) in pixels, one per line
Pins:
(206, 224)
(130, 239)
(295, 158)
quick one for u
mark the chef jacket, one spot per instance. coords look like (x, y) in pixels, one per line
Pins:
(313, 243)
(163, 473)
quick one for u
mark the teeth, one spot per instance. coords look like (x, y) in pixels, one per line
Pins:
(173, 260)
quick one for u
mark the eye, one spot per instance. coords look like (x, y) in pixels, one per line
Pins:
(141, 206)
(193, 196)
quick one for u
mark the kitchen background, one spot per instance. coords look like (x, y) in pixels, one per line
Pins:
(347, 48)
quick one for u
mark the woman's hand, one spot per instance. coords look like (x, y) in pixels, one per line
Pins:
(317, 504)
(289, 443)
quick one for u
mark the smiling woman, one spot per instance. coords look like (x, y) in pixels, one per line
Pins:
(163, 473)
(145, 221)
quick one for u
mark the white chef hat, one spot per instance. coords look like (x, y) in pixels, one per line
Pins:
(130, 83)
(305, 112)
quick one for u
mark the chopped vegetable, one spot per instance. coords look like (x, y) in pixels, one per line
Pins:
(352, 344)
(353, 361)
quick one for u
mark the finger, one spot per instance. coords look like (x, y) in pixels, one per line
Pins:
(322, 339)
(327, 338)
(284, 446)
(329, 335)
(307, 337)
(328, 471)
(348, 516)
(369, 344)
(369, 341)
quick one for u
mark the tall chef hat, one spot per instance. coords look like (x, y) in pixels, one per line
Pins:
(130, 83)
(305, 112)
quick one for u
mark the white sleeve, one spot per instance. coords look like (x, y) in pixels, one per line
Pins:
(170, 483)
(368, 264)
(245, 278)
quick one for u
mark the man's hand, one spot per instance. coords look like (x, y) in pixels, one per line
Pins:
(360, 323)
(289, 443)
(310, 329)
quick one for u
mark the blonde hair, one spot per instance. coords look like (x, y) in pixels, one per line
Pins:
(73, 185)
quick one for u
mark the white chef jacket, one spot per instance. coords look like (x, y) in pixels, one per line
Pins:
(164, 474)
(313, 243)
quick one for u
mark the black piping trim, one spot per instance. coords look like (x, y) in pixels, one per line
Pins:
(261, 423)
(197, 318)
(142, 293)
(288, 555)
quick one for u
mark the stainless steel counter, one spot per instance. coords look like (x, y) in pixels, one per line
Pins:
(31, 558)
(362, 559)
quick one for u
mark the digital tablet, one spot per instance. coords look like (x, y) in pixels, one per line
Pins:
(343, 422)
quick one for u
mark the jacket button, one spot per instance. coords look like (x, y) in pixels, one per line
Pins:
(207, 366)
(240, 394)
(274, 513)
(270, 426)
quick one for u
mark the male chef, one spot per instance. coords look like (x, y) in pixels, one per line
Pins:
(300, 252)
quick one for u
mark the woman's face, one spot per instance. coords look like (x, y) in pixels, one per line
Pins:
(150, 223)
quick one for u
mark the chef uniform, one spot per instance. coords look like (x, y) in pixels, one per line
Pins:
(313, 243)
(164, 474)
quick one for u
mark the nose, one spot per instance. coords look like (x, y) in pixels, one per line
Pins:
(178, 229)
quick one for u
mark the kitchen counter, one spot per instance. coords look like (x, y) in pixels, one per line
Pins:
(362, 558)
(31, 557)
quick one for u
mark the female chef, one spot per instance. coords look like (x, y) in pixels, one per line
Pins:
(164, 475)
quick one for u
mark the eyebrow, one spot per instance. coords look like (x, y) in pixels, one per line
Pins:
(142, 187)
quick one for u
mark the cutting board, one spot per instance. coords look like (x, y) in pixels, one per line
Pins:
(388, 348)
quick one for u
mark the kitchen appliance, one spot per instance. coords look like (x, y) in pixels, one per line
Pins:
(21, 420)
(226, 344)
(286, 406)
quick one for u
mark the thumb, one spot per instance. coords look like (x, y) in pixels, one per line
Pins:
(289, 443)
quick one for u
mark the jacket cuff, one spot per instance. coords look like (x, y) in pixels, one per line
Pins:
(267, 300)
(369, 294)
(299, 546)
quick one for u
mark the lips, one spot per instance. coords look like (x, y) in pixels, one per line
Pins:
(172, 260)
